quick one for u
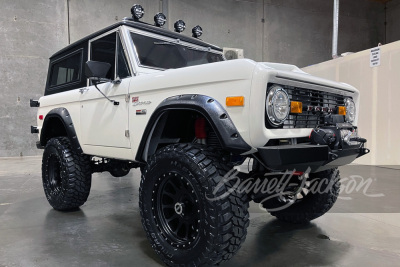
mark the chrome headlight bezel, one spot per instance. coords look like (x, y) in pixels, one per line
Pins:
(271, 106)
(351, 110)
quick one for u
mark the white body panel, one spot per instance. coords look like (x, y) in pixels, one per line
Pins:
(102, 122)
(69, 100)
(100, 126)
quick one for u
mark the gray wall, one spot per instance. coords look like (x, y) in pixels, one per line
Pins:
(293, 31)
(88, 16)
(30, 31)
(393, 21)
(300, 32)
(290, 31)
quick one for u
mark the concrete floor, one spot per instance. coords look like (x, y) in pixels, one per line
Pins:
(361, 231)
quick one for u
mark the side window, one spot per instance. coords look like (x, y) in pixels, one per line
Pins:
(67, 70)
(103, 50)
(122, 64)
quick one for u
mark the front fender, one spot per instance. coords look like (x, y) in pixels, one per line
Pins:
(208, 107)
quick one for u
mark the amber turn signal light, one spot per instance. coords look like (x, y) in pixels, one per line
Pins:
(232, 101)
(296, 107)
(342, 110)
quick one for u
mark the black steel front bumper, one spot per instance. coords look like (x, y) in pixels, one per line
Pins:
(303, 156)
(331, 145)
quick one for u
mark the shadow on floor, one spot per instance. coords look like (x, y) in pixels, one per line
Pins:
(276, 243)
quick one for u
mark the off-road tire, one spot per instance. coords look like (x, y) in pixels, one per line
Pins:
(221, 223)
(66, 175)
(315, 203)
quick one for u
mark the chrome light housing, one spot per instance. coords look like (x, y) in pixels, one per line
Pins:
(350, 110)
(137, 12)
(160, 19)
(179, 26)
(277, 105)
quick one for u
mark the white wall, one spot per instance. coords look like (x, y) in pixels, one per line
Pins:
(379, 112)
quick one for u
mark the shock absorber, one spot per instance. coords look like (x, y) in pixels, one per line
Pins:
(200, 130)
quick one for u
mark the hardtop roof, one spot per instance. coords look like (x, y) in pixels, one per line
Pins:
(141, 26)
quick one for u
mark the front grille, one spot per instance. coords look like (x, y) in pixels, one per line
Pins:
(310, 119)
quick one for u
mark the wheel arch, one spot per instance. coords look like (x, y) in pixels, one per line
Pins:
(58, 122)
(209, 108)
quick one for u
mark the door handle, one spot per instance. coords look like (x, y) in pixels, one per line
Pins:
(82, 90)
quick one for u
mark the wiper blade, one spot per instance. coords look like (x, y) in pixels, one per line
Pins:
(198, 49)
(163, 43)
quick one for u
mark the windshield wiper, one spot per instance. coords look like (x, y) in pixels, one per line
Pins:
(198, 49)
(163, 43)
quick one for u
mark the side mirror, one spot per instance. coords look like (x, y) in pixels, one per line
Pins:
(97, 70)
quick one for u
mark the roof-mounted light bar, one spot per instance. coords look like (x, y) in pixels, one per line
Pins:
(160, 19)
(197, 31)
(179, 26)
(137, 12)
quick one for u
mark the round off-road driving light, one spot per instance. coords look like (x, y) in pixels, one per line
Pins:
(350, 110)
(277, 105)
(197, 31)
(179, 26)
(137, 12)
(160, 19)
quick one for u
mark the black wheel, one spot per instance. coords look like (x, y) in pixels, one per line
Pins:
(66, 175)
(183, 222)
(309, 203)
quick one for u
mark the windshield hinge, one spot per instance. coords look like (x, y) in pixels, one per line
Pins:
(127, 97)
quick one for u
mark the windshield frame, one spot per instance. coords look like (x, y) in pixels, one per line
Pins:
(162, 38)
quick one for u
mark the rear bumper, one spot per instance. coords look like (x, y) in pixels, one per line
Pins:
(34, 129)
(303, 156)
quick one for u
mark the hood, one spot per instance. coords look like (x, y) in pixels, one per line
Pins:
(282, 67)
(197, 76)
(293, 73)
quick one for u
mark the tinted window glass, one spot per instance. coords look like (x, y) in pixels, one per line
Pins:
(103, 50)
(67, 70)
(122, 65)
(157, 53)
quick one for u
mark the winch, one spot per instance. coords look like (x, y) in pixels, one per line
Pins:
(336, 133)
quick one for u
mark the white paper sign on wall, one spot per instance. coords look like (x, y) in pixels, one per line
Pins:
(375, 57)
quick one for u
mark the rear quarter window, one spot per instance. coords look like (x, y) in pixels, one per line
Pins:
(67, 70)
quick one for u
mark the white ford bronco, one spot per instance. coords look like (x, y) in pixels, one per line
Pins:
(135, 95)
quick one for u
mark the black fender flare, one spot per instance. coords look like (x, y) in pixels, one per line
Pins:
(63, 115)
(211, 109)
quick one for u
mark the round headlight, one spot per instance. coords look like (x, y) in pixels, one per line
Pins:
(197, 31)
(160, 19)
(137, 12)
(350, 110)
(277, 105)
(179, 26)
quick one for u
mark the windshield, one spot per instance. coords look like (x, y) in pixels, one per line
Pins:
(158, 53)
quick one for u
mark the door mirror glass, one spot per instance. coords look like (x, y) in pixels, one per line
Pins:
(95, 69)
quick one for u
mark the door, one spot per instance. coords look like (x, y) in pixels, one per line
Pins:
(102, 122)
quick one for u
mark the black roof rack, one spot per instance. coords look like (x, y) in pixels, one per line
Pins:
(141, 26)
